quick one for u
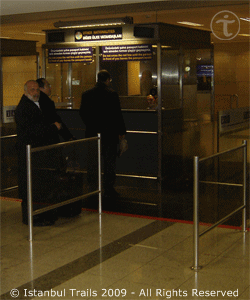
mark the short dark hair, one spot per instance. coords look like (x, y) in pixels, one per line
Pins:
(41, 82)
(103, 75)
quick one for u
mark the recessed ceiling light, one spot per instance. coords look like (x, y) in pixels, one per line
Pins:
(94, 23)
(34, 33)
(245, 19)
(190, 23)
(244, 34)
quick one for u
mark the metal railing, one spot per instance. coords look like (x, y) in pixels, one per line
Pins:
(8, 136)
(32, 213)
(196, 233)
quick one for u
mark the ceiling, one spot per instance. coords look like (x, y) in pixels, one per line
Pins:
(19, 7)
(26, 20)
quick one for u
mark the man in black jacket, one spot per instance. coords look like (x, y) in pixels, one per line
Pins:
(47, 106)
(101, 113)
(48, 109)
(32, 129)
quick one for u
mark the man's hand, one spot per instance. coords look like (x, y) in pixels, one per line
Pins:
(58, 125)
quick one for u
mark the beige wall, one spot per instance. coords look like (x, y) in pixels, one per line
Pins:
(231, 69)
(16, 71)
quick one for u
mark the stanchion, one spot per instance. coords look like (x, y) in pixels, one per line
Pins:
(244, 211)
(196, 266)
(99, 173)
(29, 192)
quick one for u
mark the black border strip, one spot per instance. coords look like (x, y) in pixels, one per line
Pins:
(88, 261)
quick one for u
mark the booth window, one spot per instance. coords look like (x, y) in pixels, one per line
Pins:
(133, 80)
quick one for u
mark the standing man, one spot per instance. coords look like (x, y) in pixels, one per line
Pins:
(49, 110)
(101, 113)
(34, 130)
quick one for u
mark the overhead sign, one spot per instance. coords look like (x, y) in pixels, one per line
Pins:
(98, 34)
(127, 52)
(67, 55)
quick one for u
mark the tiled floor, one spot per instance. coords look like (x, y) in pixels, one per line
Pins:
(117, 256)
(120, 256)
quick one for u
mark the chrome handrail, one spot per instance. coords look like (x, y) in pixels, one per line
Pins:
(196, 233)
(8, 136)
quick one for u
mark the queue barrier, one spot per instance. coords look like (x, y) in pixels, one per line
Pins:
(61, 171)
(197, 181)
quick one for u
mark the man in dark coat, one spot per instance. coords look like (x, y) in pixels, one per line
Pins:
(32, 129)
(48, 108)
(101, 113)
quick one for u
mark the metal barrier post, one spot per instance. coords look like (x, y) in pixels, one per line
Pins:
(244, 211)
(196, 214)
(196, 200)
(99, 173)
(29, 192)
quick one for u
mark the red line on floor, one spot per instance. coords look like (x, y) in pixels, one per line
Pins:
(143, 217)
(10, 199)
(166, 219)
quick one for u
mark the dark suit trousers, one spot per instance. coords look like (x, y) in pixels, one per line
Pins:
(109, 154)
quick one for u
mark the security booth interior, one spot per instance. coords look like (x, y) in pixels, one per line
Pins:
(163, 75)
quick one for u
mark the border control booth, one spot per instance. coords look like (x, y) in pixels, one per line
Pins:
(154, 71)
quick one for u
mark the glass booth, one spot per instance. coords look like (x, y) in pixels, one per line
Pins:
(163, 74)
